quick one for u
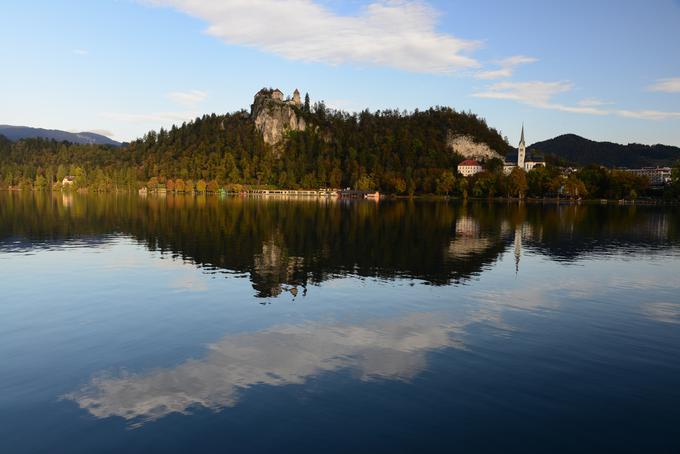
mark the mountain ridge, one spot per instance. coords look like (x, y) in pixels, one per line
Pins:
(575, 149)
(15, 133)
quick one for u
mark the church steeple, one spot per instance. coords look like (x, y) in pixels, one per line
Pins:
(521, 151)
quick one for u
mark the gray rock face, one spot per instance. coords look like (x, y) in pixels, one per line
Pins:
(467, 147)
(273, 116)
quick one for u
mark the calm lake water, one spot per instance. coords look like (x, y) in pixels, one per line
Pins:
(186, 324)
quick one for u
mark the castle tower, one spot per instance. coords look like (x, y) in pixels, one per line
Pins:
(296, 98)
(521, 151)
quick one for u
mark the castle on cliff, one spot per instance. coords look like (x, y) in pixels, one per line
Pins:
(277, 95)
(275, 116)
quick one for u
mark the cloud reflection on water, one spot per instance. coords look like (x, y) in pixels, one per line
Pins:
(287, 354)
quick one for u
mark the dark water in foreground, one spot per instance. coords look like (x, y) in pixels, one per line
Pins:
(182, 324)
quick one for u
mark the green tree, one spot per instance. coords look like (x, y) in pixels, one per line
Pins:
(40, 183)
(365, 183)
(445, 182)
(463, 187)
(335, 179)
(80, 177)
(494, 165)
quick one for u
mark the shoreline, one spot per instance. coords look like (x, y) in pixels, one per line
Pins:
(310, 195)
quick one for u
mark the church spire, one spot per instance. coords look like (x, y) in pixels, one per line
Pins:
(521, 151)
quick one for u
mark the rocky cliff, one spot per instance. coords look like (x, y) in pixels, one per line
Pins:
(468, 148)
(273, 116)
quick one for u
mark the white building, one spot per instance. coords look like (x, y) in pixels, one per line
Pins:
(658, 176)
(469, 167)
(522, 163)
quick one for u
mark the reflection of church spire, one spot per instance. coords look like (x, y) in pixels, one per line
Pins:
(518, 247)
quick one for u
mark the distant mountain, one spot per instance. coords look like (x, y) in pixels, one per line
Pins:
(15, 133)
(580, 151)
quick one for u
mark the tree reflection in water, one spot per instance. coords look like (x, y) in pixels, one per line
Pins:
(284, 245)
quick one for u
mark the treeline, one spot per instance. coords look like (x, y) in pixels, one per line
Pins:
(594, 182)
(389, 150)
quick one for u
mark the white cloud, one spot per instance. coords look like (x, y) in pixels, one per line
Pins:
(535, 93)
(188, 98)
(393, 33)
(506, 67)
(592, 102)
(648, 114)
(541, 94)
(671, 85)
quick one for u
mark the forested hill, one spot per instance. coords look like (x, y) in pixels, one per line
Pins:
(24, 132)
(580, 151)
(387, 150)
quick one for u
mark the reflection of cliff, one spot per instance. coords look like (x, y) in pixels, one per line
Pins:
(291, 354)
(284, 245)
(273, 267)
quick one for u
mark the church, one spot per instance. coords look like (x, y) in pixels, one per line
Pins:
(522, 163)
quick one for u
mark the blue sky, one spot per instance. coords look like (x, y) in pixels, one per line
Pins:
(607, 70)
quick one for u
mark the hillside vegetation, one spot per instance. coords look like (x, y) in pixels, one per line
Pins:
(388, 150)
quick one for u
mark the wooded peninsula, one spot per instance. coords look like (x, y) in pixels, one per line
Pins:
(295, 145)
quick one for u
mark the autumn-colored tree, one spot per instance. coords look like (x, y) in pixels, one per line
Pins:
(152, 183)
(212, 187)
(574, 187)
(517, 183)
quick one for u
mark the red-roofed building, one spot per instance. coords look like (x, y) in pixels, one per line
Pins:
(469, 167)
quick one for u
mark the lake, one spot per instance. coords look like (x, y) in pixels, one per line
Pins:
(182, 324)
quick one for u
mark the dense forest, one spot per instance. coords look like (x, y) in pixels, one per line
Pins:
(391, 151)
(388, 150)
